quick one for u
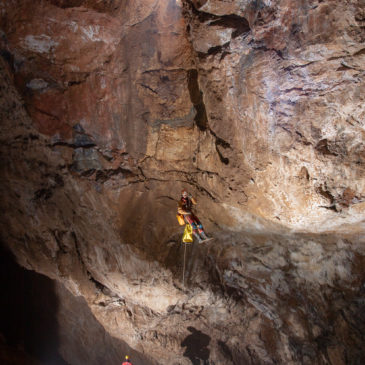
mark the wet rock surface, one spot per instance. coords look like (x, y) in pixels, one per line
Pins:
(108, 109)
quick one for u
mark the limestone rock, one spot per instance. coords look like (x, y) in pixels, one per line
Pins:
(108, 109)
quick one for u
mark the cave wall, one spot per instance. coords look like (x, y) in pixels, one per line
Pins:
(283, 90)
(255, 105)
(110, 108)
(43, 323)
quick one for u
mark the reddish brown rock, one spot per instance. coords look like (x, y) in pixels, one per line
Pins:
(257, 108)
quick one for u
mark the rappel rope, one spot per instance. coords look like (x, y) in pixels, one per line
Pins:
(184, 266)
(190, 154)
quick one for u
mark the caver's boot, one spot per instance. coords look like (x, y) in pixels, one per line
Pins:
(204, 236)
(196, 235)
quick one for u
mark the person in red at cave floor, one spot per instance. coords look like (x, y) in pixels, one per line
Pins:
(185, 207)
(127, 362)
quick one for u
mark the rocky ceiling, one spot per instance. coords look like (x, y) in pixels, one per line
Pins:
(110, 108)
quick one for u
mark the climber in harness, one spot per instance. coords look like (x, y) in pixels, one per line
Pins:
(185, 212)
(127, 362)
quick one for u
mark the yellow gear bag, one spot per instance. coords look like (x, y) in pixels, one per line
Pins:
(188, 234)
(180, 219)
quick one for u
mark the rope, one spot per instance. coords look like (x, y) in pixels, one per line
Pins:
(184, 266)
(190, 155)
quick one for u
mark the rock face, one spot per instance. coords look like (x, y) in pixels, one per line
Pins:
(54, 326)
(110, 108)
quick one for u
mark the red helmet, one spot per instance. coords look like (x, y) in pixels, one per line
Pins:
(184, 192)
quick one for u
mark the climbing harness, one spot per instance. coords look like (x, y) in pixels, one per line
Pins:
(180, 219)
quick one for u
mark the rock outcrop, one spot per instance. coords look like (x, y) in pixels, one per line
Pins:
(110, 108)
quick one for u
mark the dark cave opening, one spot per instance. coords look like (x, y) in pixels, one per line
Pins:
(28, 322)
